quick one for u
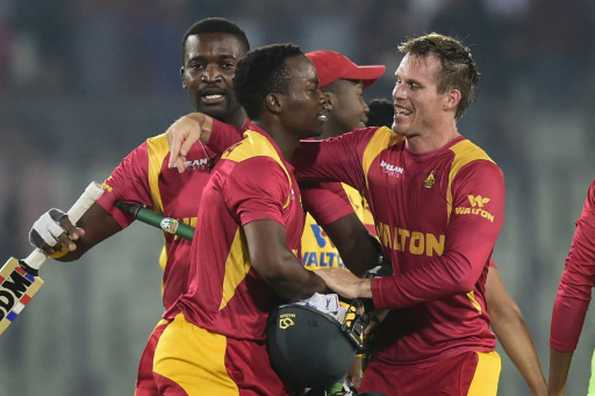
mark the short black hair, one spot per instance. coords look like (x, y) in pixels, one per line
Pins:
(261, 72)
(382, 112)
(215, 25)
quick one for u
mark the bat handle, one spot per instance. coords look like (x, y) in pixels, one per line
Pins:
(93, 191)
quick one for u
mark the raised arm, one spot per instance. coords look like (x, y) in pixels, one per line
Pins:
(337, 159)
(195, 129)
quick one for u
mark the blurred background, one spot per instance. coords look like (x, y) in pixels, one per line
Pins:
(82, 82)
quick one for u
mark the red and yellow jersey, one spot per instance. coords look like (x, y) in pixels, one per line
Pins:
(143, 177)
(252, 181)
(437, 216)
(578, 279)
(318, 251)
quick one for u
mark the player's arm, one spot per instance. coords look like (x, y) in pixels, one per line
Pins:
(54, 233)
(573, 296)
(329, 205)
(470, 240)
(510, 328)
(359, 250)
(198, 128)
(259, 192)
(276, 264)
(336, 159)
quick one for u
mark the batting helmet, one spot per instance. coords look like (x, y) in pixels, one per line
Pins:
(309, 348)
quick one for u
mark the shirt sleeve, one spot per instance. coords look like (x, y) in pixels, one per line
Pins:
(222, 137)
(258, 189)
(578, 279)
(337, 159)
(476, 218)
(127, 182)
(326, 202)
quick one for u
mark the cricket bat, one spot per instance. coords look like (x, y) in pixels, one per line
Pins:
(19, 278)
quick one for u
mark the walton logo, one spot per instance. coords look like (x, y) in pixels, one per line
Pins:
(477, 203)
(418, 243)
(391, 169)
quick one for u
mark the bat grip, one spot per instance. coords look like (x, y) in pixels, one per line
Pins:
(93, 191)
(158, 220)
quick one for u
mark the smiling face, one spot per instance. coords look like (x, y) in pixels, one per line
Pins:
(349, 109)
(210, 61)
(304, 103)
(419, 107)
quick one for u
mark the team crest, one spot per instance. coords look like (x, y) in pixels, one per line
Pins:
(430, 180)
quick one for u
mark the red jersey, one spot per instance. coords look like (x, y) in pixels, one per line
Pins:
(143, 177)
(438, 216)
(578, 278)
(252, 181)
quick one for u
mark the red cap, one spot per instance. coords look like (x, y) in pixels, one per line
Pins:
(332, 66)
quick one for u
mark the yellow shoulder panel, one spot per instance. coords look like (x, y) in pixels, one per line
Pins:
(464, 152)
(382, 139)
(157, 149)
(256, 145)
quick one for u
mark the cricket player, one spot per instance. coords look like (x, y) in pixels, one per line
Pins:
(506, 319)
(212, 48)
(573, 298)
(243, 260)
(437, 335)
(343, 82)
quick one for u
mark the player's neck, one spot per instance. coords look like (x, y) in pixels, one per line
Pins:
(237, 118)
(431, 141)
(287, 141)
(331, 129)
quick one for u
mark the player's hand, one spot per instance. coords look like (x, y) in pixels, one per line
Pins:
(345, 283)
(182, 134)
(375, 318)
(54, 234)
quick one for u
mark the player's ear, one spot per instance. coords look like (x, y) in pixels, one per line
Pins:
(273, 103)
(184, 85)
(452, 99)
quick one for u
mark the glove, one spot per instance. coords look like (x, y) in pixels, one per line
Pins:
(54, 234)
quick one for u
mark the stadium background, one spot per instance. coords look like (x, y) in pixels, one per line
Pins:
(82, 82)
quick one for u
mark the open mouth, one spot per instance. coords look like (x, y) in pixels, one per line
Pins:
(212, 97)
(402, 111)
